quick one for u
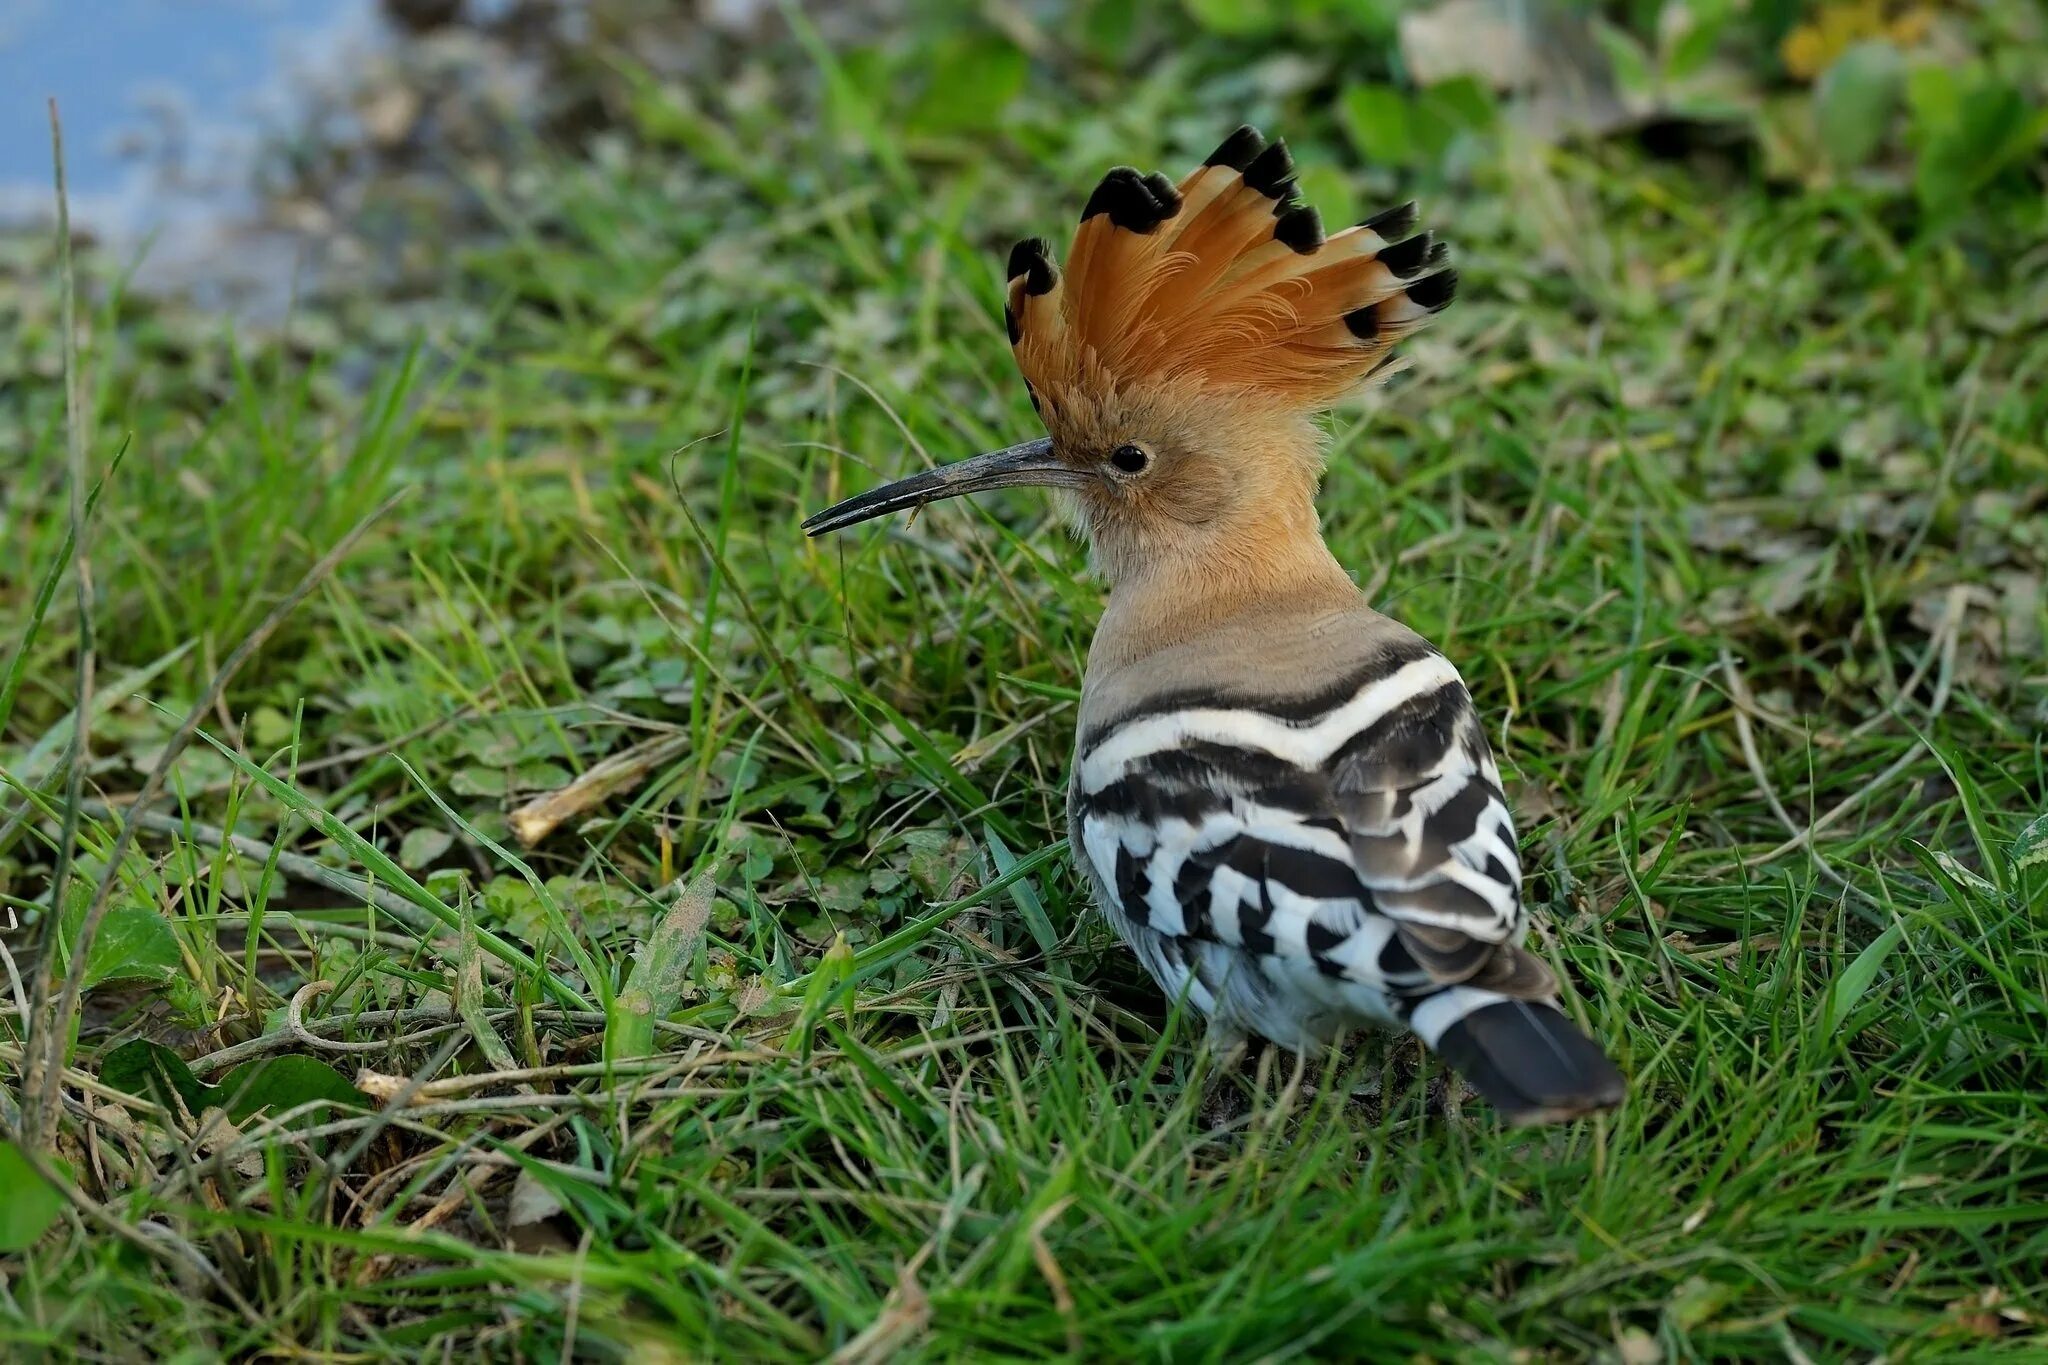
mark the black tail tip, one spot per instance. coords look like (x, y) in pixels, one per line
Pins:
(1531, 1063)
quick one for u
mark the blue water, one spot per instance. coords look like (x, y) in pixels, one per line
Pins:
(163, 104)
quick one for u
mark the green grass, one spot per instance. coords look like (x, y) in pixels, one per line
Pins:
(1729, 504)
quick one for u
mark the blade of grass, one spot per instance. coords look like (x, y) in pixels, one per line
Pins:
(594, 975)
(46, 592)
(39, 1088)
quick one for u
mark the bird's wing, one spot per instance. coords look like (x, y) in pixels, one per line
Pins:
(1432, 838)
(1362, 831)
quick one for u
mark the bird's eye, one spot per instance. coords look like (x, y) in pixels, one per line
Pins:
(1131, 459)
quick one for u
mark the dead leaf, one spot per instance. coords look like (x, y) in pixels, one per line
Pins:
(379, 1086)
(540, 817)
(531, 1201)
(530, 1218)
(1637, 1347)
(217, 1133)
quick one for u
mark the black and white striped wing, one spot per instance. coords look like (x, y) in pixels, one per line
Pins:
(1357, 844)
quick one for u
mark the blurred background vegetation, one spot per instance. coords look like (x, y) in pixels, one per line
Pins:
(1724, 481)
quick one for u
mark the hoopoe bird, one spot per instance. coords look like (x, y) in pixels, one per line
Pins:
(1284, 799)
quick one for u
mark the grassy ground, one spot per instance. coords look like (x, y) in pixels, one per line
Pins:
(1727, 502)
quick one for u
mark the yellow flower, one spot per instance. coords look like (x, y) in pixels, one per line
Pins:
(1812, 47)
(1909, 28)
(1803, 52)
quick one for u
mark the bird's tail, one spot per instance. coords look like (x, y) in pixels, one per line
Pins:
(1528, 1060)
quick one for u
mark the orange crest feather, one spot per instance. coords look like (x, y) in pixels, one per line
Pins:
(1225, 279)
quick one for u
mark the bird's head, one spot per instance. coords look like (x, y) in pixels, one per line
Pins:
(1179, 359)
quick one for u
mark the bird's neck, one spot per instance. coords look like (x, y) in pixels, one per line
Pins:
(1168, 599)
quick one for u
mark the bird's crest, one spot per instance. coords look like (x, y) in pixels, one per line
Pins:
(1224, 280)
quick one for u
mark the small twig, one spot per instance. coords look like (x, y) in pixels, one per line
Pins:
(1055, 1278)
(284, 1038)
(382, 1118)
(413, 1101)
(1762, 943)
(286, 1128)
(38, 1092)
(274, 1042)
(85, 1084)
(306, 924)
(459, 1190)
(565, 1099)
(654, 1068)
(15, 988)
(295, 865)
(370, 1197)
(573, 1310)
(907, 1311)
(295, 1025)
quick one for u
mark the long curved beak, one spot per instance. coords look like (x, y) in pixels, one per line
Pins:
(1029, 464)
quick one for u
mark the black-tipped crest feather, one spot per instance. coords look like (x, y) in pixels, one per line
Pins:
(1032, 258)
(1130, 201)
(1405, 258)
(1117, 185)
(1238, 150)
(1165, 197)
(1271, 171)
(1435, 292)
(1300, 228)
(1394, 223)
(1227, 279)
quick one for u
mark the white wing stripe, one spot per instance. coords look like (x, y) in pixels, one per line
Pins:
(1160, 902)
(1288, 924)
(1229, 889)
(1284, 829)
(1359, 951)
(1473, 852)
(1307, 746)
